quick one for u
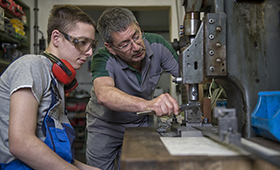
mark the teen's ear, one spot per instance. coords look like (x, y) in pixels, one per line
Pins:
(109, 47)
(55, 37)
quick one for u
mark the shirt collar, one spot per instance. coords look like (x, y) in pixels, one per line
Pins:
(149, 51)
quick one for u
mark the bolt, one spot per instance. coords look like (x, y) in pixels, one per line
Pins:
(218, 60)
(211, 52)
(194, 93)
(178, 80)
(205, 120)
(212, 68)
(220, 113)
(218, 44)
(211, 36)
(218, 29)
(211, 21)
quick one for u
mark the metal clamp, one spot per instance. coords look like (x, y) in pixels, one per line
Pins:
(228, 130)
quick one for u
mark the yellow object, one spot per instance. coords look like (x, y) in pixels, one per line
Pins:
(17, 23)
(20, 31)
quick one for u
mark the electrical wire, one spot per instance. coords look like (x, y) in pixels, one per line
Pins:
(215, 95)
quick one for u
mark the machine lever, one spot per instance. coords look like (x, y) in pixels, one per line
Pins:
(182, 108)
(189, 106)
(146, 113)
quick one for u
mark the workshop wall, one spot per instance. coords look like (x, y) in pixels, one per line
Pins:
(174, 20)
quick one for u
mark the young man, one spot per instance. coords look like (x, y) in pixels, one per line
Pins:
(35, 132)
(125, 75)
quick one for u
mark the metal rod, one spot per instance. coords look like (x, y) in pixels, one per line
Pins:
(193, 92)
(36, 27)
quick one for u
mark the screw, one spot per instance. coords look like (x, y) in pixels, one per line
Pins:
(212, 68)
(218, 60)
(218, 44)
(211, 52)
(211, 21)
(211, 36)
(194, 93)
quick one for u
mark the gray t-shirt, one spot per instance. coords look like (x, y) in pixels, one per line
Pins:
(29, 71)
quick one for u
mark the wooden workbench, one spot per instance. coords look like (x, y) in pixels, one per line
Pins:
(143, 150)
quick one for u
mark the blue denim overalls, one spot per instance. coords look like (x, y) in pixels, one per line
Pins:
(58, 131)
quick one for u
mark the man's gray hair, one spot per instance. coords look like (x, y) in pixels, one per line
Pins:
(114, 20)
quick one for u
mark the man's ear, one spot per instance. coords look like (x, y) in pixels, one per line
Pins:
(109, 47)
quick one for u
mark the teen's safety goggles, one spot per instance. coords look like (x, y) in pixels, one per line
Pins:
(83, 44)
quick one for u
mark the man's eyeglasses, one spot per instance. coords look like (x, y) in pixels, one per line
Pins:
(83, 44)
(137, 39)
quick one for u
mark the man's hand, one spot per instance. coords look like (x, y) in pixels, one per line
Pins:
(163, 105)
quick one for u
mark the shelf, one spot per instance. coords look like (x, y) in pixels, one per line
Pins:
(4, 64)
(18, 41)
(9, 39)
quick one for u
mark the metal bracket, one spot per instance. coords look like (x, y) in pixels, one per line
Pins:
(191, 60)
(228, 130)
(215, 44)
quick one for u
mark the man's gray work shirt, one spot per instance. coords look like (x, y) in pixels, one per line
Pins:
(159, 56)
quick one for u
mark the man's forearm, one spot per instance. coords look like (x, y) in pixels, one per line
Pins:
(113, 98)
(118, 100)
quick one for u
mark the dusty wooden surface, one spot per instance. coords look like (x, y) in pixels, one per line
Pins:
(143, 150)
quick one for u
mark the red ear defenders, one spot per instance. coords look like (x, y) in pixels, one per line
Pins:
(63, 72)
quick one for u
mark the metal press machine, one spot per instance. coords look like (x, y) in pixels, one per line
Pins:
(237, 43)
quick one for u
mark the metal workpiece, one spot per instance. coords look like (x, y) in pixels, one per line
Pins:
(185, 131)
(193, 117)
(192, 129)
(215, 44)
(192, 110)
